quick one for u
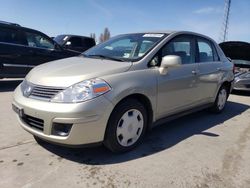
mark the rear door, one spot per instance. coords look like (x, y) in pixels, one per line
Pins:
(209, 68)
(177, 89)
(13, 56)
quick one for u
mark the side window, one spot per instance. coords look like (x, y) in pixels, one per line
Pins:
(205, 51)
(76, 41)
(88, 42)
(39, 41)
(10, 36)
(181, 46)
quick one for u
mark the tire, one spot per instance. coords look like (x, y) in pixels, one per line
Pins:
(221, 100)
(126, 126)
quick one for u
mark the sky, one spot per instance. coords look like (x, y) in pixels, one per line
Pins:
(82, 17)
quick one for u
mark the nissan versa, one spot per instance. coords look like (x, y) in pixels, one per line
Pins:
(114, 92)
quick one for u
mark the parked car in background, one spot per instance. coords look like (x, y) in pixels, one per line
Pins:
(239, 53)
(22, 48)
(75, 42)
(118, 90)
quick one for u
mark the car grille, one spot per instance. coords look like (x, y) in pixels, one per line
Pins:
(45, 93)
(33, 122)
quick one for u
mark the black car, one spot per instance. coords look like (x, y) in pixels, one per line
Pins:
(239, 53)
(75, 42)
(22, 48)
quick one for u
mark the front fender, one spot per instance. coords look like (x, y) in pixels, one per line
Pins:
(133, 82)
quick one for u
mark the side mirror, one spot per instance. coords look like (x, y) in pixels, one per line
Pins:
(171, 61)
(68, 43)
(57, 46)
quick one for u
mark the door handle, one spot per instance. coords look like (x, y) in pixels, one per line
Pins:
(31, 52)
(219, 69)
(194, 72)
(17, 55)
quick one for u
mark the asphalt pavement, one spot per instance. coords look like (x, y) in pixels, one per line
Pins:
(198, 150)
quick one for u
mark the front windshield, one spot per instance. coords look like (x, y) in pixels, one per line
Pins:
(241, 62)
(60, 39)
(127, 47)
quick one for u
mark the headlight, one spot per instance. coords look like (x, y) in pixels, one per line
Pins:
(26, 88)
(82, 91)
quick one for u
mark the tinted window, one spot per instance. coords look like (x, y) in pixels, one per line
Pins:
(88, 42)
(76, 41)
(39, 41)
(205, 51)
(9, 36)
(181, 46)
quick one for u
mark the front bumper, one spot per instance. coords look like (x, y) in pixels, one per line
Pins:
(88, 119)
(242, 84)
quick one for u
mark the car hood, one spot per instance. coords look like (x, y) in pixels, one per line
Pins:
(66, 72)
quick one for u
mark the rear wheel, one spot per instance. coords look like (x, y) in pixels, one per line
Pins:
(126, 126)
(221, 100)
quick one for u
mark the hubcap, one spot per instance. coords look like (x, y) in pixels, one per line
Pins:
(222, 99)
(129, 127)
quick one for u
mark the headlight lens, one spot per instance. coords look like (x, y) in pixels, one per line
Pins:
(82, 91)
(26, 88)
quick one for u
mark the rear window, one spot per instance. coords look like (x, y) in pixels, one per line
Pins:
(76, 41)
(88, 42)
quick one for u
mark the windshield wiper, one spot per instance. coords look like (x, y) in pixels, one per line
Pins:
(105, 57)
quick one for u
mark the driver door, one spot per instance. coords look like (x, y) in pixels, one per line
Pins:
(177, 87)
(41, 49)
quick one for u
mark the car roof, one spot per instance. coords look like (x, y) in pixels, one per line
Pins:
(70, 35)
(9, 23)
(19, 27)
(168, 32)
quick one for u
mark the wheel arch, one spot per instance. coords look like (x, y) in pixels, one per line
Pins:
(144, 100)
(227, 84)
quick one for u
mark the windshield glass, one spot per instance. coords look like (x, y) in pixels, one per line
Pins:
(127, 47)
(242, 62)
(60, 39)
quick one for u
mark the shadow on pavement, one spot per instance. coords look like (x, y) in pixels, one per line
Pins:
(159, 139)
(9, 85)
(242, 93)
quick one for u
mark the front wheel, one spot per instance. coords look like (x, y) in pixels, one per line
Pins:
(221, 100)
(126, 126)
